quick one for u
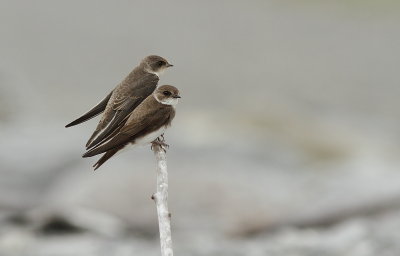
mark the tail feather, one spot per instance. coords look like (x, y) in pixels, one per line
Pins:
(89, 115)
(105, 157)
(115, 124)
(101, 149)
(92, 144)
(92, 138)
(96, 110)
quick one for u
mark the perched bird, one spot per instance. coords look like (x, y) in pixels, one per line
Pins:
(145, 124)
(126, 96)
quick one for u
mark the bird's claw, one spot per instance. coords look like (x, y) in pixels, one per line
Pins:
(160, 142)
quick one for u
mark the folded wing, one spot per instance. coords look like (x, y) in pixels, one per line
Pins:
(118, 111)
(96, 110)
(139, 124)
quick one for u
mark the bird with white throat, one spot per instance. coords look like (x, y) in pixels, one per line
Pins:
(145, 124)
(122, 100)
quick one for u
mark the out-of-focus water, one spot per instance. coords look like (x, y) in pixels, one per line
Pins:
(285, 141)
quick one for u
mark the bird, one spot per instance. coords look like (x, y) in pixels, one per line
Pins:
(145, 124)
(124, 98)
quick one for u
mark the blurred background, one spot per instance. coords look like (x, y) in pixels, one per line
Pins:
(286, 140)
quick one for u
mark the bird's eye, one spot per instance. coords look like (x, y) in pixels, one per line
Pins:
(166, 93)
(160, 63)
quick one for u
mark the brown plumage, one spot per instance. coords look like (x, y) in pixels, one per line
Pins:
(148, 121)
(117, 106)
(96, 110)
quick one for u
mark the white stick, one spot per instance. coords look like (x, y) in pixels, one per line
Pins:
(161, 200)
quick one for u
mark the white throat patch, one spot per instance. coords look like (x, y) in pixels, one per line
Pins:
(167, 101)
(160, 72)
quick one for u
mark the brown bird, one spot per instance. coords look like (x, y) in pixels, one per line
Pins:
(126, 96)
(145, 124)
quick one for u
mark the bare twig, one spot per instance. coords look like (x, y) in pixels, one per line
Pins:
(161, 198)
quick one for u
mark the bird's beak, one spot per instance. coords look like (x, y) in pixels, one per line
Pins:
(176, 96)
(169, 65)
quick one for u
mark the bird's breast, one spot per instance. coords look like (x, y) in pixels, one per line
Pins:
(148, 138)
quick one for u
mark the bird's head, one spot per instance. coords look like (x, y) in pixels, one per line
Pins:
(155, 64)
(167, 94)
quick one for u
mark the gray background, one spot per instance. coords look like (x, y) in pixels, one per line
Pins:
(285, 141)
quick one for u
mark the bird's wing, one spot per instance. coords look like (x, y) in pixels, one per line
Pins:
(120, 108)
(96, 110)
(105, 157)
(137, 125)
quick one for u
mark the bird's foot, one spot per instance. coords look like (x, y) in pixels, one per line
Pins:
(161, 137)
(159, 142)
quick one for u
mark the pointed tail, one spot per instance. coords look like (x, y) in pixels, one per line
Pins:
(105, 157)
(96, 110)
